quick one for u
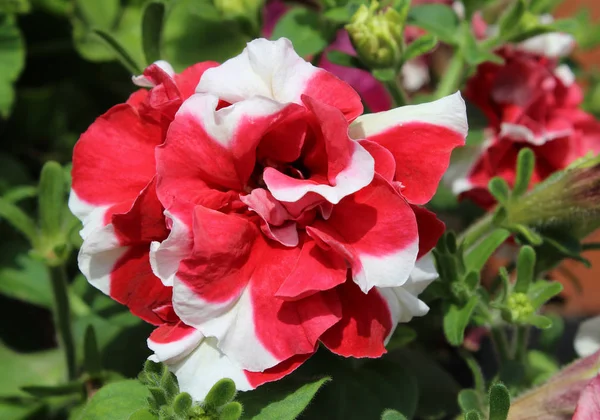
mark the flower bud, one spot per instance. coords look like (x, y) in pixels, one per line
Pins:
(243, 10)
(520, 307)
(571, 197)
(377, 35)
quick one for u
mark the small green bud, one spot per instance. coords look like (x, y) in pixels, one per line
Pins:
(520, 307)
(235, 9)
(377, 35)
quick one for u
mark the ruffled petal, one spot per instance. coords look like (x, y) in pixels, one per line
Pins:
(272, 69)
(421, 138)
(375, 230)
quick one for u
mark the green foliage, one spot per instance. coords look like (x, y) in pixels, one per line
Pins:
(437, 19)
(12, 60)
(302, 26)
(117, 401)
(392, 415)
(290, 405)
(152, 26)
(419, 46)
(499, 402)
(457, 319)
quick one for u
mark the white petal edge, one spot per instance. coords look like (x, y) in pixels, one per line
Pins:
(358, 174)
(98, 255)
(389, 270)
(449, 111)
(232, 324)
(403, 301)
(165, 256)
(203, 367)
(587, 339)
(173, 351)
(142, 81)
(271, 69)
(91, 216)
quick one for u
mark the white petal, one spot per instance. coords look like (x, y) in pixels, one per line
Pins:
(143, 81)
(587, 339)
(449, 112)
(165, 256)
(271, 69)
(204, 366)
(98, 255)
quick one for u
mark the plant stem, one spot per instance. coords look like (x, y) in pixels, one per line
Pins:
(477, 230)
(521, 342)
(500, 343)
(397, 93)
(450, 83)
(62, 315)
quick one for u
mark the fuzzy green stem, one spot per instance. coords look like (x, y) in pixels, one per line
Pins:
(521, 343)
(477, 230)
(62, 315)
(397, 93)
(500, 343)
(452, 79)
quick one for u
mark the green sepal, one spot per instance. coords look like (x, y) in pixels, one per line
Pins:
(499, 399)
(221, 393)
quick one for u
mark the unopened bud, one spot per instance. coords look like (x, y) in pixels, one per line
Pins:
(571, 197)
(520, 308)
(377, 35)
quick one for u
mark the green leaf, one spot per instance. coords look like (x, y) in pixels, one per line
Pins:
(457, 319)
(290, 405)
(469, 400)
(540, 321)
(478, 379)
(182, 403)
(480, 252)
(142, 414)
(384, 75)
(527, 233)
(525, 269)
(71, 388)
(231, 411)
(19, 220)
(539, 7)
(96, 14)
(392, 415)
(419, 47)
(91, 354)
(14, 6)
(473, 415)
(549, 337)
(499, 189)
(20, 370)
(152, 27)
(343, 59)
(51, 197)
(302, 26)
(510, 20)
(525, 166)
(16, 194)
(339, 15)
(221, 393)
(17, 409)
(117, 401)
(123, 56)
(542, 291)
(437, 19)
(24, 278)
(194, 32)
(12, 61)
(499, 402)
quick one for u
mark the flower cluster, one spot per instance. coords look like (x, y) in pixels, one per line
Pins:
(250, 212)
(529, 101)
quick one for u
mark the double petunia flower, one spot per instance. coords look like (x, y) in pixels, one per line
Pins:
(250, 212)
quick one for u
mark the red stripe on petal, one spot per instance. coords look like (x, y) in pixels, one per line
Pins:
(316, 270)
(171, 333)
(327, 88)
(220, 265)
(430, 229)
(422, 152)
(114, 159)
(365, 324)
(385, 164)
(133, 284)
(276, 372)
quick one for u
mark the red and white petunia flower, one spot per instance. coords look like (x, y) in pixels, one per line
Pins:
(529, 102)
(275, 217)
